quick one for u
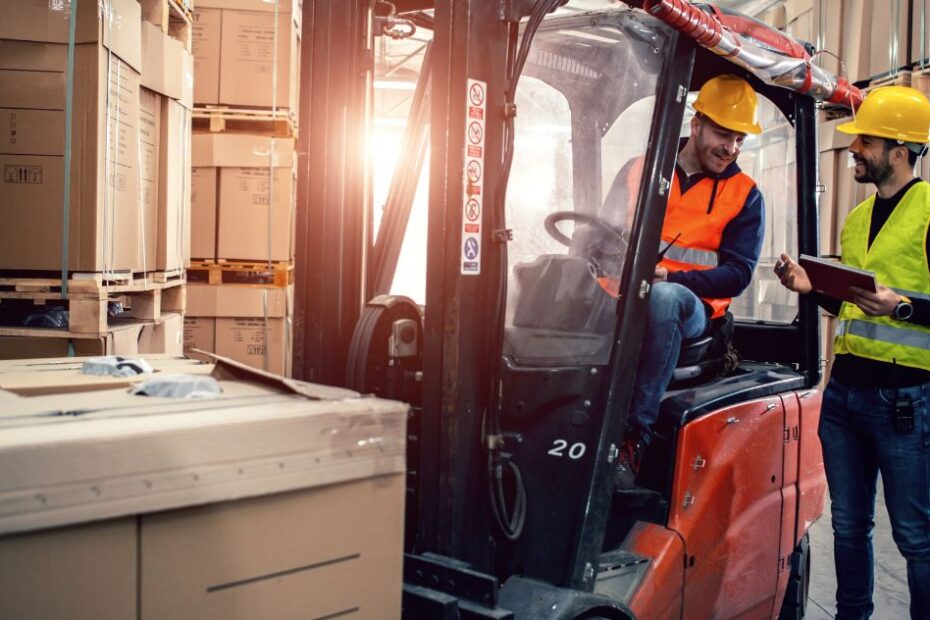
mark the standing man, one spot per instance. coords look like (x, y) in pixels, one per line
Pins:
(711, 239)
(875, 415)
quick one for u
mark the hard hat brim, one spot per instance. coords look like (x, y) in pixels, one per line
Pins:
(851, 129)
(753, 128)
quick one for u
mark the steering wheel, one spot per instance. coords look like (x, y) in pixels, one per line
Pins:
(553, 219)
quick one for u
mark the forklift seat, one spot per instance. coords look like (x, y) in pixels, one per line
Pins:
(707, 355)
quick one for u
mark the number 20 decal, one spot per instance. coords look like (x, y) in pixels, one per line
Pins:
(576, 451)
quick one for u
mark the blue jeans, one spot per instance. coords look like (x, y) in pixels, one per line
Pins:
(675, 314)
(859, 442)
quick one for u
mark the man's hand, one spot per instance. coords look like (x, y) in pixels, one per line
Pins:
(880, 303)
(661, 274)
(792, 275)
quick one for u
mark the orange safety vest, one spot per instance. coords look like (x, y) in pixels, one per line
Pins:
(694, 223)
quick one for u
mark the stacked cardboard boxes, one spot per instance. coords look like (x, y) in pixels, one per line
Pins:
(131, 92)
(128, 213)
(870, 37)
(246, 57)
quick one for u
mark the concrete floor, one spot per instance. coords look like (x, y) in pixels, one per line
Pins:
(891, 596)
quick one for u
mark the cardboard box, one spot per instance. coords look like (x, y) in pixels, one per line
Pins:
(167, 68)
(920, 48)
(233, 300)
(235, 55)
(775, 17)
(49, 22)
(166, 336)
(818, 22)
(251, 324)
(107, 212)
(174, 194)
(833, 170)
(200, 334)
(205, 36)
(259, 342)
(889, 36)
(203, 212)
(150, 128)
(248, 228)
(244, 217)
(857, 37)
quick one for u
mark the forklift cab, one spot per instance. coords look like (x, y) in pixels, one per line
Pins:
(519, 367)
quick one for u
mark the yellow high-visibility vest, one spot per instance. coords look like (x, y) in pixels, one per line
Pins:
(898, 256)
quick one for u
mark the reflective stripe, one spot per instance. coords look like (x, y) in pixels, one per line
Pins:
(885, 333)
(841, 328)
(691, 256)
(911, 294)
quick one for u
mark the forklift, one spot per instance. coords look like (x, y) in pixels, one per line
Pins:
(519, 366)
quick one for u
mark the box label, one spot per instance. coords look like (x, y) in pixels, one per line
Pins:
(22, 174)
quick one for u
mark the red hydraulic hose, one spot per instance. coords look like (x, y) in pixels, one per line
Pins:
(777, 57)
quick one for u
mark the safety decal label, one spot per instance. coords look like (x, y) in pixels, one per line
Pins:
(473, 177)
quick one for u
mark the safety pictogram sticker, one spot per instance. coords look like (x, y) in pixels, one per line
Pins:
(475, 132)
(472, 210)
(473, 177)
(476, 93)
(474, 171)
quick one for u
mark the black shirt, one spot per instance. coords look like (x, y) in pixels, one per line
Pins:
(864, 372)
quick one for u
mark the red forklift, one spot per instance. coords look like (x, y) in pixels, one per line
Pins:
(519, 365)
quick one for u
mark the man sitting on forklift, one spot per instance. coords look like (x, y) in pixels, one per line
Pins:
(711, 240)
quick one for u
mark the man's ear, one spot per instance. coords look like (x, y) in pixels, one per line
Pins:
(695, 125)
(899, 156)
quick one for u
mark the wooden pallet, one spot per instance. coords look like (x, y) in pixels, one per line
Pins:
(920, 79)
(172, 17)
(280, 123)
(148, 295)
(901, 78)
(279, 275)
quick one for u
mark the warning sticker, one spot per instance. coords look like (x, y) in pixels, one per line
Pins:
(473, 177)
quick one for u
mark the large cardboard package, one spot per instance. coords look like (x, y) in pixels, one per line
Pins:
(271, 500)
(254, 196)
(236, 62)
(247, 323)
(107, 211)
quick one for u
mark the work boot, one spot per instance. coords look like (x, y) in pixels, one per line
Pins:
(628, 462)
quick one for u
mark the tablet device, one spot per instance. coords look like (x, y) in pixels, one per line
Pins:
(834, 279)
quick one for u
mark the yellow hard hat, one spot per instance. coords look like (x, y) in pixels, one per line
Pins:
(730, 102)
(894, 112)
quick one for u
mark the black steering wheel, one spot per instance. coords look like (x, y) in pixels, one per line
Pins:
(553, 219)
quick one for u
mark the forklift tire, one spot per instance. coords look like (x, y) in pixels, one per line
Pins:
(795, 604)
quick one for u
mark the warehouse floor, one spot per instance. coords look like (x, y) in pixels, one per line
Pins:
(891, 596)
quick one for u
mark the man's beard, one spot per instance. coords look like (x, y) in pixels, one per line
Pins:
(875, 172)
